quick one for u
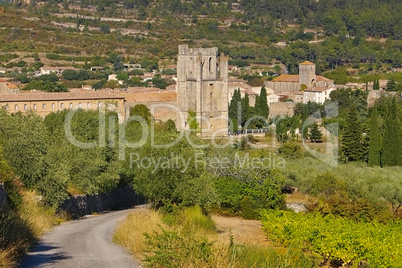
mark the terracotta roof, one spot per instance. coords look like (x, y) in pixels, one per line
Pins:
(59, 96)
(306, 63)
(166, 95)
(287, 78)
(322, 78)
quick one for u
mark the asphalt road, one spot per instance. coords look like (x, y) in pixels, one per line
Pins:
(82, 243)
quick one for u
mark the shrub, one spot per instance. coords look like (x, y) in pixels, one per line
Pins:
(290, 150)
(326, 184)
(246, 196)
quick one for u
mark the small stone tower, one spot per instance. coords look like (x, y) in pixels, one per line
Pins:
(200, 88)
(307, 74)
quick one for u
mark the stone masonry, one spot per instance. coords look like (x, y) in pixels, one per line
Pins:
(200, 88)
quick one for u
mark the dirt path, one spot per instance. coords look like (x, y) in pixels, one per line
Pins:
(243, 231)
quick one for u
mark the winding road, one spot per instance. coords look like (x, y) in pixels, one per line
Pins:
(83, 243)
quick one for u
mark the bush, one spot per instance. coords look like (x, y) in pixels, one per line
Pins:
(327, 184)
(246, 197)
(359, 209)
(290, 150)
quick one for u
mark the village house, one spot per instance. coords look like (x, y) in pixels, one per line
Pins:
(317, 94)
(57, 70)
(97, 69)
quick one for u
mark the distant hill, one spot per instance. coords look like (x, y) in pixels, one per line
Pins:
(331, 33)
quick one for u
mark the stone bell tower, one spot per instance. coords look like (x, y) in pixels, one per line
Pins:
(202, 87)
(307, 74)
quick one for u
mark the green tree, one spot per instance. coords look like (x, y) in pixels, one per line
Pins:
(105, 28)
(24, 145)
(376, 84)
(234, 105)
(245, 110)
(351, 139)
(315, 133)
(374, 140)
(303, 126)
(170, 125)
(391, 85)
(264, 103)
(234, 126)
(142, 111)
(392, 141)
(192, 121)
(69, 74)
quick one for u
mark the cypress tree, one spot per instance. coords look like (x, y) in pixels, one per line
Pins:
(391, 85)
(374, 140)
(376, 84)
(315, 133)
(264, 103)
(257, 106)
(391, 149)
(351, 146)
(304, 131)
(234, 105)
(245, 109)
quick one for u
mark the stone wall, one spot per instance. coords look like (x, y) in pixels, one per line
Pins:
(283, 87)
(3, 196)
(119, 198)
(281, 109)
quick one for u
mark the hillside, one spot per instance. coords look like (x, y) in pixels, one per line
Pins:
(330, 33)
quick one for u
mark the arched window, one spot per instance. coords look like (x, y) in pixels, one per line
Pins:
(210, 61)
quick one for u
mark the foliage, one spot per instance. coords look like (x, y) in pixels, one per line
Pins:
(234, 105)
(290, 150)
(22, 226)
(188, 238)
(374, 141)
(339, 203)
(46, 86)
(315, 133)
(392, 143)
(264, 103)
(170, 125)
(351, 139)
(338, 240)
(192, 121)
(347, 98)
(308, 109)
(246, 195)
(24, 144)
(142, 111)
(174, 176)
(284, 125)
(376, 84)
(379, 186)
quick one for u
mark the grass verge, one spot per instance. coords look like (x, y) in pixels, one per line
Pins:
(189, 238)
(21, 227)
